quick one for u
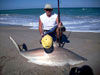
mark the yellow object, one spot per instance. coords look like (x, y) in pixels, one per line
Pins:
(47, 41)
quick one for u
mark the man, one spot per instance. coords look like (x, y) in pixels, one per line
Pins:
(49, 22)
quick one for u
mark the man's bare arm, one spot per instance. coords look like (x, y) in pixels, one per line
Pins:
(40, 27)
(59, 24)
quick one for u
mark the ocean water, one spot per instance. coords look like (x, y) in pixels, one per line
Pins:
(74, 19)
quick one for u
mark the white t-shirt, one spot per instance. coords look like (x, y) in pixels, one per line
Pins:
(48, 22)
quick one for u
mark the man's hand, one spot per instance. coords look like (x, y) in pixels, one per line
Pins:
(61, 27)
(60, 24)
(42, 35)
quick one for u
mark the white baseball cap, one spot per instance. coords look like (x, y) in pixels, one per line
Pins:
(48, 6)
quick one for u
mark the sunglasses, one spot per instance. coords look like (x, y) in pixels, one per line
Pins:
(48, 9)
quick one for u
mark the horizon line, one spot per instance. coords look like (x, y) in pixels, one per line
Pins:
(43, 8)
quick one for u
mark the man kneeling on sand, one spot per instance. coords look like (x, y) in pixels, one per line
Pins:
(48, 22)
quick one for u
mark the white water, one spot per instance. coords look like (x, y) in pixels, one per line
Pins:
(72, 23)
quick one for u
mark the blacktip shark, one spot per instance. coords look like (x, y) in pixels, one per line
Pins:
(59, 57)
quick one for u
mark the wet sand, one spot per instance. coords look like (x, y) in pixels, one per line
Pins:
(11, 63)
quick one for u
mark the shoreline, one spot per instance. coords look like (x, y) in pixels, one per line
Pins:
(31, 28)
(86, 44)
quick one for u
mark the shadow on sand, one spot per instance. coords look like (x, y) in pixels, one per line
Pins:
(84, 70)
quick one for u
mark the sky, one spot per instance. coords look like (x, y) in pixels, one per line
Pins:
(23, 4)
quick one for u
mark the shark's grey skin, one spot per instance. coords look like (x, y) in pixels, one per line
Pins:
(59, 57)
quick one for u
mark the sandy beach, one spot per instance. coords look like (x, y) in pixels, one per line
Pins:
(86, 44)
